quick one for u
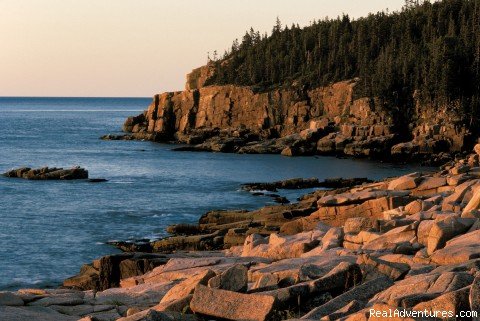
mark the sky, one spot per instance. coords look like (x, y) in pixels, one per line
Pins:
(135, 48)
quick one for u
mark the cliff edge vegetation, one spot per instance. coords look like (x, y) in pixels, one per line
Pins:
(432, 49)
(403, 84)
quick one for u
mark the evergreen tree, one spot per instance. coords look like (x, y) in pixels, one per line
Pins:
(431, 49)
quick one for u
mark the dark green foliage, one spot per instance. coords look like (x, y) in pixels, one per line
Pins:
(431, 48)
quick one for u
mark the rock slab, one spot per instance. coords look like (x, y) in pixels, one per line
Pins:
(231, 305)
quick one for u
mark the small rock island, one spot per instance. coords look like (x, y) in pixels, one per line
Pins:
(48, 173)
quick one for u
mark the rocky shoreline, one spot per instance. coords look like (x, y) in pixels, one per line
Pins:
(410, 243)
(330, 120)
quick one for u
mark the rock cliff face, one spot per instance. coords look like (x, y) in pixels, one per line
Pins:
(197, 78)
(436, 129)
(285, 111)
(325, 120)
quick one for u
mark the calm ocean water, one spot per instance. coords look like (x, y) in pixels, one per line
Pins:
(49, 229)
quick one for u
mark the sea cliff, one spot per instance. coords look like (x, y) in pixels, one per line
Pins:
(299, 121)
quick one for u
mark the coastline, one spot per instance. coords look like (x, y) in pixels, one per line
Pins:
(322, 170)
(336, 252)
(331, 120)
(101, 212)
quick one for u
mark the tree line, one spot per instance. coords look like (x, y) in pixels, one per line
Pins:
(430, 49)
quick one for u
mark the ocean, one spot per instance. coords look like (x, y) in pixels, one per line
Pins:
(48, 229)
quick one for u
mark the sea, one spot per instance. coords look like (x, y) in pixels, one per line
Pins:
(48, 229)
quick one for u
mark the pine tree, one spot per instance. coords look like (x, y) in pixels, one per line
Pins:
(432, 49)
(278, 26)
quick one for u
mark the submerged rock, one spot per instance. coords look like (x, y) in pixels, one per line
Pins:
(97, 180)
(294, 183)
(304, 183)
(117, 137)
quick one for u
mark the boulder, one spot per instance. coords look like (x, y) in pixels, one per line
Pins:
(357, 224)
(83, 309)
(432, 284)
(393, 238)
(442, 231)
(266, 282)
(233, 279)
(473, 160)
(67, 298)
(234, 237)
(140, 264)
(423, 231)
(347, 310)
(174, 305)
(362, 238)
(231, 305)
(476, 149)
(414, 207)
(458, 179)
(458, 195)
(459, 249)
(453, 302)
(406, 182)
(474, 203)
(251, 242)
(291, 270)
(429, 183)
(372, 209)
(204, 242)
(141, 295)
(303, 224)
(188, 263)
(332, 239)
(341, 278)
(11, 299)
(373, 267)
(460, 169)
(184, 268)
(362, 292)
(109, 270)
(87, 279)
(357, 197)
(186, 287)
(8, 313)
(286, 246)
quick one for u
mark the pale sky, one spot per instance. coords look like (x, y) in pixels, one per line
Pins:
(135, 48)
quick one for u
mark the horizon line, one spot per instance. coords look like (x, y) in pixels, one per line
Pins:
(124, 97)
